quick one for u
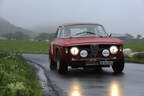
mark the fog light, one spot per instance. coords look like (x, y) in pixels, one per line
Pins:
(121, 49)
(84, 53)
(66, 50)
(105, 53)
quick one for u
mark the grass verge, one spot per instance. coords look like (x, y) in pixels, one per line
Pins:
(21, 46)
(16, 78)
(134, 60)
(135, 46)
(42, 47)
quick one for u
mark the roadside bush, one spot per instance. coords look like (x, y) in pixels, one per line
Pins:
(16, 78)
(126, 56)
(139, 56)
(3, 54)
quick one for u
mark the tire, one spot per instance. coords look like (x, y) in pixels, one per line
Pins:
(61, 66)
(118, 67)
(52, 64)
(98, 69)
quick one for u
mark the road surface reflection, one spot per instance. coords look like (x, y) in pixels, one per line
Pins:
(115, 89)
(75, 89)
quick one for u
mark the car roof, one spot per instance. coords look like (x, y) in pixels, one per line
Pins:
(68, 24)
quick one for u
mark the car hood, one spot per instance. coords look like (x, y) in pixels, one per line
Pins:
(89, 40)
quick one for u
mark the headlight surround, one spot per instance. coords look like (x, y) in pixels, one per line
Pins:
(114, 49)
(74, 51)
(105, 53)
(83, 53)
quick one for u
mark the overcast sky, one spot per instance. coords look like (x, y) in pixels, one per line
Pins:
(118, 16)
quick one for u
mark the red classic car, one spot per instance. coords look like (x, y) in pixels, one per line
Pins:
(85, 45)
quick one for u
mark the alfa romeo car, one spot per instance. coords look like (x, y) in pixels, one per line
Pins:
(85, 45)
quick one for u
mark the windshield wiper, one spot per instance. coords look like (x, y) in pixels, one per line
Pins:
(85, 32)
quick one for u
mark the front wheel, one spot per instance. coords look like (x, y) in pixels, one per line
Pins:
(62, 67)
(52, 64)
(118, 67)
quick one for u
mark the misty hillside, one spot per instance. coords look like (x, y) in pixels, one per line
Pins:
(7, 27)
(46, 29)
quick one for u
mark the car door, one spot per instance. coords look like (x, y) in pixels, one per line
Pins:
(54, 44)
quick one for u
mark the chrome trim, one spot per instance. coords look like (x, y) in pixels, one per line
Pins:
(93, 59)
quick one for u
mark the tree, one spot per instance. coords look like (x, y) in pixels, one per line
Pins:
(51, 36)
(21, 36)
(45, 36)
(8, 36)
(139, 36)
(129, 36)
(16, 36)
(42, 36)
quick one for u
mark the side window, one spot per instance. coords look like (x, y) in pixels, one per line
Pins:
(65, 32)
(62, 35)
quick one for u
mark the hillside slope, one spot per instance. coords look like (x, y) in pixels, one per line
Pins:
(7, 27)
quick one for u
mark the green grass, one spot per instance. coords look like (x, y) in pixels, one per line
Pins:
(134, 60)
(42, 47)
(135, 46)
(16, 78)
(24, 46)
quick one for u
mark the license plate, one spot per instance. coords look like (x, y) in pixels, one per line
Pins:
(91, 64)
(106, 62)
(93, 60)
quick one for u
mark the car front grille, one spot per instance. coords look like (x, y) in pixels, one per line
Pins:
(94, 49)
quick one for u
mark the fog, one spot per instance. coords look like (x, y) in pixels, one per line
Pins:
(118, 16)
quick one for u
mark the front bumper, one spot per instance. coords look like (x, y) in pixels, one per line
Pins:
(90, 60)
(93, 59)
(104, 62)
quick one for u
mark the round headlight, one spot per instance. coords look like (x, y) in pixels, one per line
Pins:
(113, 49)
(105, 53)
(84, 53)
(74, 51)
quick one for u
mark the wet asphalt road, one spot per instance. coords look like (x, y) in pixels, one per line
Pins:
(91, 83)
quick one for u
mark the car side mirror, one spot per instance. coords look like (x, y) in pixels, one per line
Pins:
(110, 35)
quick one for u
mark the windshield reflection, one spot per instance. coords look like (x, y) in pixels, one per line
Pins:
(75, 89)
(115, 89)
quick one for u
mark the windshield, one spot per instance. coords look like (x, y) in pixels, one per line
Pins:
(83, 30)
